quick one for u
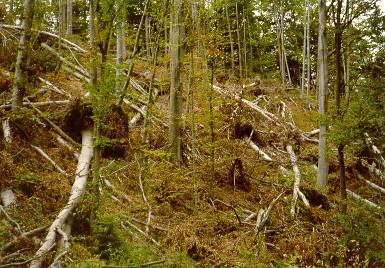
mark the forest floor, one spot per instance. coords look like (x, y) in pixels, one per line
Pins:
(203, 213)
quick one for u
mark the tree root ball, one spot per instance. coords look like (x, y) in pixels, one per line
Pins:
(114, 129)
(78, 117)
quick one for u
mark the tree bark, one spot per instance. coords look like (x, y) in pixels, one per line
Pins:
(176, 88)
(20, 80)
(323, 165)
(77, 191)
(239, 43)
(69, 17)
(231, 39)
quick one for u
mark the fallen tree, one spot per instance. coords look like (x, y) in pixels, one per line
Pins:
(77, 191)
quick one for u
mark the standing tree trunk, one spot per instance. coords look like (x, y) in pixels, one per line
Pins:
(176, 87)
(69, 17)
(239, 43)
(231, 40)
(120, 53)
(339, 92)
(322, 175)
(244, 41)
(22, 56)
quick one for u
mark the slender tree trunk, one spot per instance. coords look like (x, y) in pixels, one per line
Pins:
(304, 49)
(239, 43)
(148, 36)
(120, 53)
(96, 129)
(69, 17)
(339, 93)
(20, 80)
(244, 41)
(176, 87)
(134, 51)
(323, 165)
(308, 52)
(231, 40)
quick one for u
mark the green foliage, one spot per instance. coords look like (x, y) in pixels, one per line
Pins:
(4, 232)
(367, 228)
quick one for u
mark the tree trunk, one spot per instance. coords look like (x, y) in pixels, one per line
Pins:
(77, 191)
(231, 40)
(120, 53)
(69, 17)
(239, 43)
(176, 88)
(339, 93)
(244, 42)
(323, 165)
(20, 80)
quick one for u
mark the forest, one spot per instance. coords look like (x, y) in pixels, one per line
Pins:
(192, 133)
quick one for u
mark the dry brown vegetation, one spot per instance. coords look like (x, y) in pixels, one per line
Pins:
(198, 212)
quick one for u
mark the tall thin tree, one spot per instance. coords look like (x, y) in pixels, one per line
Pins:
(323, 92)
(20, 80)
(176, 87)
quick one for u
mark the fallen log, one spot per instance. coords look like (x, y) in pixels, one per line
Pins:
(371, 184)
(263, 214)
(375, 150)
(16, 27)
(297, 181)
(359, 198)
(77, 191)
(373, 170)
(38, 104)
(53, 87)
(49, 159)
(54, 126)
(63, 60)
(33, 232)
(255, 147)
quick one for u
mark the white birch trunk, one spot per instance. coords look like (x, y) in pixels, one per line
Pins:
(77, 191)
(323, 166)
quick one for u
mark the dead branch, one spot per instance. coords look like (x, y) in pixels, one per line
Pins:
(143, 233)
(25, 234)
(359, 198)
(63, 60)
(10, 219)
(54, 88)
(38, 104)
(49, 159)
(371, 184)
(64, 250)
(255, 147)
(27, 261)
(263, 214)
(116, 191)
(375, 150)
(75, 46)
(297, 181)
(69, 147)
(54, 126)
(77, 191)
(372, 169)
